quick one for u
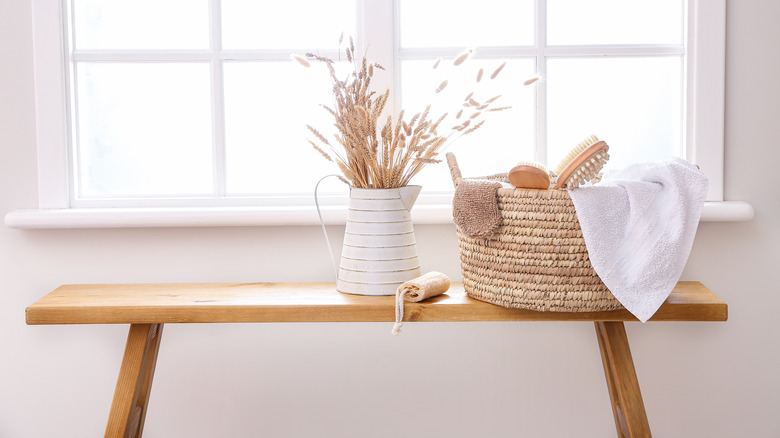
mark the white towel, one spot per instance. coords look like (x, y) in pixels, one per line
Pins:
(638, 224)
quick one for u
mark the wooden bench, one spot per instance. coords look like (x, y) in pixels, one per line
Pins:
(146, 307)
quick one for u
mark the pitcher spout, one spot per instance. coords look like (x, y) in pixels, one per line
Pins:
(409, 195)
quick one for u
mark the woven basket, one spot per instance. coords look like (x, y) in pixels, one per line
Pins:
(536, 259)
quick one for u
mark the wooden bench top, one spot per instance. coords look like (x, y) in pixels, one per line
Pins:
(314, 302)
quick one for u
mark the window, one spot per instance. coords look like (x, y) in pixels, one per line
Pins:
(134, 111)
(205, 111)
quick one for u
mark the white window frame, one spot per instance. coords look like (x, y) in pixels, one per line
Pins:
(704, 109)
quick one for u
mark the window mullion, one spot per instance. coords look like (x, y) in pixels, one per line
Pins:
(270, 54)
(71, 97)
(540, 150)
(589, 51)
(217, 98)
(482, 52)
(141, 55)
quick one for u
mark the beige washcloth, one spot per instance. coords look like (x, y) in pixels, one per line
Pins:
(475, 208)
(426, 286)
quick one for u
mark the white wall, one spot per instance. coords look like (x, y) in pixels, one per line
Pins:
(355, 380)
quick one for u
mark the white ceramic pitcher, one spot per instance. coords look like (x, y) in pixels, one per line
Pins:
(379, 251)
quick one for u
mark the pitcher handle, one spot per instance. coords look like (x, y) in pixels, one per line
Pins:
(322, 222)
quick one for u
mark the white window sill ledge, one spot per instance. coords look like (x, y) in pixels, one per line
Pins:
(261, 216)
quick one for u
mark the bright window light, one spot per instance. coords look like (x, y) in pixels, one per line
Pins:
(144, 130)
(463, 23)
(141, 24)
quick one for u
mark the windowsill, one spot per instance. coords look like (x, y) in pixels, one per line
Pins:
(734, 211)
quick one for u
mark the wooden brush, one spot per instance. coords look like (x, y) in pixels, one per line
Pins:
(530, 175)
(583, 163)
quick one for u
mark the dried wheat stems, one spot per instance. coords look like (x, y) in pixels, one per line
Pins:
(389, 153)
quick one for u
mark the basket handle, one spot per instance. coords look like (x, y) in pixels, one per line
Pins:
(454, 169)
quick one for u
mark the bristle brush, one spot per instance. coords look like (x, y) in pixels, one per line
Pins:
(583, 163)
(530, 175)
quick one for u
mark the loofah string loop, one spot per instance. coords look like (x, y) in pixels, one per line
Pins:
(399, 311)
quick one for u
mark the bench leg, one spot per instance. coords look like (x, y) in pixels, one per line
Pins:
(627, 405)
(128, 409)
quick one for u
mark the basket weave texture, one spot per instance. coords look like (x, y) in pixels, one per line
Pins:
(537, 258)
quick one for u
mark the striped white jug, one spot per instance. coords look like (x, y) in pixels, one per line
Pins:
(379, 251)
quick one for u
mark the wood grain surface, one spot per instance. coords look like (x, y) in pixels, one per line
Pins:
(628, 408)
(314, 302)
(133, 387)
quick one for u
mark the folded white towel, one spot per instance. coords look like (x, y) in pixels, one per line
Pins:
(638, 224)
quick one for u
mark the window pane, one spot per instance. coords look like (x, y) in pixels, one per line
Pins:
(614, 21)
(144, 129)
(462, 23)
(289, 24)
(141, 24)
(267, 108)
(634, 104)
(506, 137)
